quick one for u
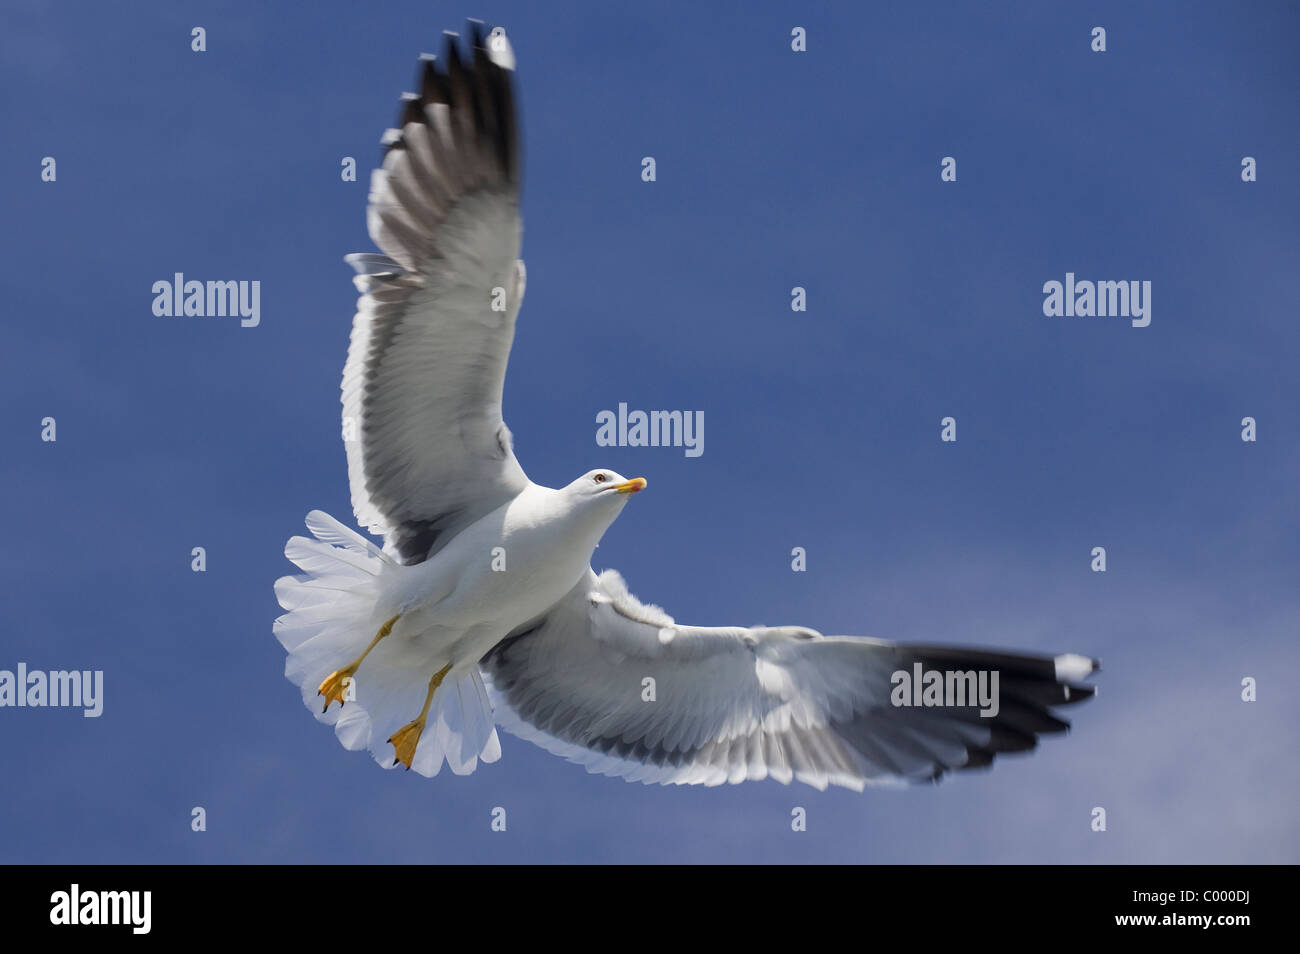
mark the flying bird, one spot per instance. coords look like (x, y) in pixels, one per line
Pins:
(482, 606)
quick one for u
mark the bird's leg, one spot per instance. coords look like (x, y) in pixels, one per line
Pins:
(335, 685)
(407, 737)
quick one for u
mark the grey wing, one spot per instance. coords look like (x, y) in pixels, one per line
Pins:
(624, 690)
(428, 451)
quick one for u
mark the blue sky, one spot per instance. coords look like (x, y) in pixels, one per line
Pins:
(775, 169)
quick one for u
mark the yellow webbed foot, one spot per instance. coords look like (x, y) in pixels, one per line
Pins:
(335, 686)
(405, 740)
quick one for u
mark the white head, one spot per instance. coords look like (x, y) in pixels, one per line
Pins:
(604, 487)
(599, 495)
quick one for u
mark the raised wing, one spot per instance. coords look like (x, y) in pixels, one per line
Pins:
(728, 704)
(428, 451)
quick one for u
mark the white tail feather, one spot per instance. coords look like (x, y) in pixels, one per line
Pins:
(334, 610)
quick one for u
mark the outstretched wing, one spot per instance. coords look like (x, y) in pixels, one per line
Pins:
(428, 452)
(729, 703)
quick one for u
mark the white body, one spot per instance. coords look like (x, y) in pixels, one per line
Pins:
(507, 568)
(461, 602)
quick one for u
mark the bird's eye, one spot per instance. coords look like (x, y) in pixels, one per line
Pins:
(600, 478)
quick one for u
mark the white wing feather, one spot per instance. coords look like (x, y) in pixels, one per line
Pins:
(734, 703)
(428, 451)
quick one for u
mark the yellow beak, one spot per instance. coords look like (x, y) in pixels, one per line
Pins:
(631, 486)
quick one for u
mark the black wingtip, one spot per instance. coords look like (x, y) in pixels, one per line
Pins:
(430, 83)
(451, 51)
(476, 89)
(1077, 693)
(412, 110)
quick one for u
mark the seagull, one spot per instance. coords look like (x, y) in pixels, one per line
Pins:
(481, 607)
